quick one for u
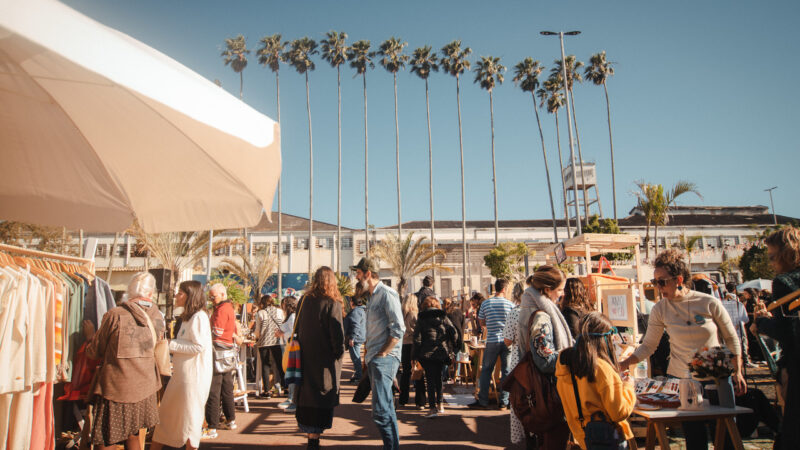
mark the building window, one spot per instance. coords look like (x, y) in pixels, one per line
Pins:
(347, 243)
(138, 250)
(102, 250)
(301, 243)
(285, 246)
(260, 248)
(121, 250)
(221, 251)
(361, 246)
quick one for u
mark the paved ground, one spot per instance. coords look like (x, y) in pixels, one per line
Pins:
(267, 425)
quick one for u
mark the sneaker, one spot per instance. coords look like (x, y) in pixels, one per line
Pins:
(209, 433)
(284, 404)
(477, 405)
(279, 390)
(291, 408)
(441, 408)
(432, 414)
(231, 425)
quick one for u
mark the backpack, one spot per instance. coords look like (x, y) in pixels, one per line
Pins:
(533, 396)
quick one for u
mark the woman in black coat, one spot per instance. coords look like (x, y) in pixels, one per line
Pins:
(434, 346)
(321, 337)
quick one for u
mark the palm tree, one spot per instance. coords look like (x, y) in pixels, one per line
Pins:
(271, 55)
(668, 201)
(488, 72)
(254, 270)
(423, 63)
(235, 54)
(574, 76)
(334, 50)
(689, 243)
(649, 200)
(454, 62)
(407, 257)
(175, 251)
(299, 56)
(361, 59)
(526, 73)
(550, 95)
(598, 72)
(393, 60)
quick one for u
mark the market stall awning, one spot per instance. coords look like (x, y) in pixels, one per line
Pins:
(98, 129)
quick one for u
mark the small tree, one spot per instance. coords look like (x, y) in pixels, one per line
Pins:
(236, 292)
(728, 266)
(407, 257)
(507, 261)
(755, 263)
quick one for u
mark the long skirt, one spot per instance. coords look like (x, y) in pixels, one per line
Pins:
(314, 420)
(115, 422)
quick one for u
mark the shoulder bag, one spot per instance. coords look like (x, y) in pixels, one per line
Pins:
(293, 372)
(599, 433)
(160, 348)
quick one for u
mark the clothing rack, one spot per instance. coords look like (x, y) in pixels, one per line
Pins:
(86, 263)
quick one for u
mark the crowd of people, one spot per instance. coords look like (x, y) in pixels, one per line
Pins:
(547, 321)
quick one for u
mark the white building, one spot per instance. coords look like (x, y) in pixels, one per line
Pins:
(724, 234)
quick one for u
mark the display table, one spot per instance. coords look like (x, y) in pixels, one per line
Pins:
(494, 382)
(658, 419)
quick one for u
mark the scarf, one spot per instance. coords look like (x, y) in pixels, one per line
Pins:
(532, 301)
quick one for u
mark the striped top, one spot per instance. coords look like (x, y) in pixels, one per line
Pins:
(495, 311)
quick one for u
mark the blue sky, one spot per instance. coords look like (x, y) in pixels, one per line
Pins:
(704, 91)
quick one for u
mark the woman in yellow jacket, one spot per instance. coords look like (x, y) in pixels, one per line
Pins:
(600, 388)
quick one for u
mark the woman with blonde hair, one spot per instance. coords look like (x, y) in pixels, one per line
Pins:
(783, 251)
(184, 401)
(410, 310)
(321, 336)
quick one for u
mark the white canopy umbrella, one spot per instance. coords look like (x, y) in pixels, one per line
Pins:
(758, 283)
(98, 129)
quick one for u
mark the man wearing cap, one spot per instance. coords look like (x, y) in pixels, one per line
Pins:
(426, 291)
(385, 329)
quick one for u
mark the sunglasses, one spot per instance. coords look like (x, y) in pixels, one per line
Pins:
(662, 282)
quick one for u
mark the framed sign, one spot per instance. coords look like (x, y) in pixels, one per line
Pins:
(618, 305)
(561, 253)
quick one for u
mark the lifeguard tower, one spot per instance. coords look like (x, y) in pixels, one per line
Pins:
(585, 181)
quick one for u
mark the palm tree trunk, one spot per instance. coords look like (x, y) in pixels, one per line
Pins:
(655, 236)
(310, 184)
(494, 172)
(397, 157)
(563, 181)
(430, 169)
(280, 206)
(339, 191)
(366, 167)
(647, 242)
(111, 257)
(173, 281)
(580, 156)
(241, 86)
(465, 281)
(546, 169)
(611, 144)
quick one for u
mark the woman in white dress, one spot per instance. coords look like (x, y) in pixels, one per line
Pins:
(183, 406)
(509, 337)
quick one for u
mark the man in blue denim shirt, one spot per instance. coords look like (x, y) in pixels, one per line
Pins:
(354, 331)
(385, 329)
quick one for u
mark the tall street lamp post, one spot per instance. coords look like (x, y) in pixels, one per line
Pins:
(774, 217)
(561, 35)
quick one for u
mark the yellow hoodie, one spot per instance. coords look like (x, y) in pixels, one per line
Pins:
(607, 394)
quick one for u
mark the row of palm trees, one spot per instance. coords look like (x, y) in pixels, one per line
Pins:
(453, 60)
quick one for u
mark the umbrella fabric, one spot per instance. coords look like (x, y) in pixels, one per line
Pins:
(759, 284)
(98, 129)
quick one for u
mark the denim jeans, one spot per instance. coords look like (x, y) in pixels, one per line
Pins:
(355, 356)
(381, 377)
(490, 354)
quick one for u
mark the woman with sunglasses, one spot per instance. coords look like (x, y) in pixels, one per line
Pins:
(692, 320)
(783, 251)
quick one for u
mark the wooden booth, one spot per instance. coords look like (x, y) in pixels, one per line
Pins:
(613, 295)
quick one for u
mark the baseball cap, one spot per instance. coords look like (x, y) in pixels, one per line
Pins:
(366, 265)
